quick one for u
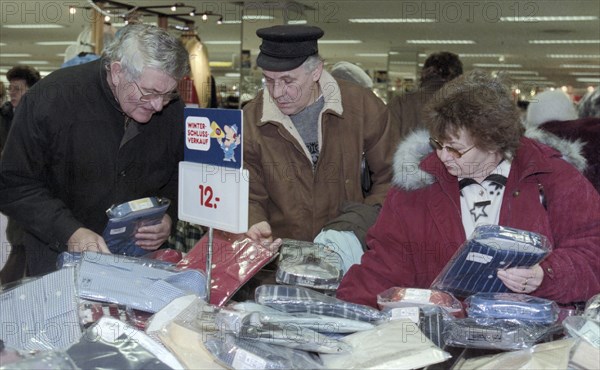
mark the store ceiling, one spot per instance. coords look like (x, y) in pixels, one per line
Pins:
(495, 40)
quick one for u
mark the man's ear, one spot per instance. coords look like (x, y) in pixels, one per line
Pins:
(316, 73)
(115, 72)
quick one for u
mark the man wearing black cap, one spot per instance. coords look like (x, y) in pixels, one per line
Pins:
(305, 135)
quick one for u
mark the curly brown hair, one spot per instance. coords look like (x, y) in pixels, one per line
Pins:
(481, 105)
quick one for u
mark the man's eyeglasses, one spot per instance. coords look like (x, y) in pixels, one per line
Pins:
(453, 152)
(165, 97)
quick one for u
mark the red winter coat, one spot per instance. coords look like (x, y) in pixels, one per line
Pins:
(419, 228)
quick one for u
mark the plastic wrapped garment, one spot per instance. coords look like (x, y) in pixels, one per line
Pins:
(114, 279)
(308, 264)
(41, 314)
(126, 218)
(319, 323)
(249, 326)
(397, 344)
(502, 334)
(112, 344)
(160, 259)
(295, 299)
(426, 299)
(237, 353)
(187, 345)
(233, 264)
(584, 356)
(512, 306)
(45, 360)
(473, 267)
(592, 308)
(551, 355)
(580, 327)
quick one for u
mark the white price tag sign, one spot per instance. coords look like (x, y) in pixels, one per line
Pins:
(214, 196)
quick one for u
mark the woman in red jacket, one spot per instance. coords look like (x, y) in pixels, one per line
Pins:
(474, 167)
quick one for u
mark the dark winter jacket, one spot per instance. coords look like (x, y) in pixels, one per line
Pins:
(68, 161)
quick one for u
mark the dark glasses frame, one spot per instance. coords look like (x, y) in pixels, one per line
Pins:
(453, 152)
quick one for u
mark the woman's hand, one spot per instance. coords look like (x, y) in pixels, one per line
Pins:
(522, 280)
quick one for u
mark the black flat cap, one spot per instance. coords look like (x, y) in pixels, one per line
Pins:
(285, 48)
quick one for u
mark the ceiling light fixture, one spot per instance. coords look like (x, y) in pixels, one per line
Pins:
(56, 43)
(588, 79)
(467, 55)
(564, 41)
(377, 55)
(391, 20)
(340, 42)
(32, 62)
(33, 26)
(587, 73)
(222, 42)
(574, 18)
(496, 65)
(440, 42)
(574, 56)
(584, 66)
(14, 55)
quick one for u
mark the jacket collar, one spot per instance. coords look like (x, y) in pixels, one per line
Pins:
(329, 88)
(416, 166)
(103, 63)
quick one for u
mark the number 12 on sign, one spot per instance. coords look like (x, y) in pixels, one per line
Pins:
(206, 197)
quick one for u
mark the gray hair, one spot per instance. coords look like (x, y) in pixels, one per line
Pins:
(311, 63)
(139, 46)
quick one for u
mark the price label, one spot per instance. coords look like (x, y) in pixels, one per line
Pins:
(214, 196)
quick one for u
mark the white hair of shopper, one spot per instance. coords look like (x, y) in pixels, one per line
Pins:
(139, 46)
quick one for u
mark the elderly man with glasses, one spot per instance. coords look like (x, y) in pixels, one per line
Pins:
(93, 135)
(474, 167)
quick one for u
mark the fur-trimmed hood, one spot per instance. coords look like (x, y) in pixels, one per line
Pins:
(409, 175)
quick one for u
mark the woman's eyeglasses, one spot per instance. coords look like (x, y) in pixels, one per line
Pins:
(453, 152)
(165, 97)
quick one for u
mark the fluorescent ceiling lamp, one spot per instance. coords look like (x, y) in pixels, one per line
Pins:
(56, 43)
(573, 56)
(33, 26)
(257, 17)
(232, 22)
(404, 63)
(14, 55)
(496, 65)
(340, 41)
(235, 75)
(531, 78)
(522, 73)
(534, 82)
(40, 62)
(549, 19)
(2, 44)
(576, 66)
(588, 79)
(590, 73)
(217, 64)
(123, 24)
(480, 55)
(436, 42)
(391, 20)
(222, 42)
(564, 41)
(298, 21)
(378, 55)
